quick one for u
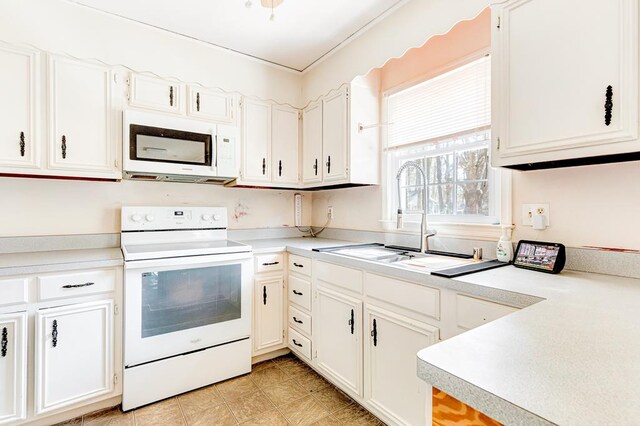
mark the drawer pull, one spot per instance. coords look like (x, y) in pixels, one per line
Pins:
(270, 263)
(297, 265)
(374, 333)
(296, 343)
(352, 322)
(54, 334)
(297, 320)
(5, 342)
(78, 285)
(297, 293)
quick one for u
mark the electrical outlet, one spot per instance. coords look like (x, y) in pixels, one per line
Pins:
(530, 210)
(330, 212)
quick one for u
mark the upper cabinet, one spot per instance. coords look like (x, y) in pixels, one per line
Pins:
(566, 91)
(335, 136)
(284, 140)
(312, 144)
(20, 107)
(212, 105)
(81, 121)
(256, 141)
(156, 94)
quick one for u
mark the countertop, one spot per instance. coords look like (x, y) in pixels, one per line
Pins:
(571, 356)
(58, 260)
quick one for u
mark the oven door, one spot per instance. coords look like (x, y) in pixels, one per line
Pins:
(179, 305)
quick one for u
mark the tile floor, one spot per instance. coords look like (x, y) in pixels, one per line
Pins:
(283, 391)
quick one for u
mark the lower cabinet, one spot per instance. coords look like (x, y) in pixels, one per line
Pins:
(13, 367)
(337, 338)
(269, 313)
(391, 382)
(74, 354)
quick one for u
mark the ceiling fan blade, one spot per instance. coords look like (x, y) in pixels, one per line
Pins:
(271, 3)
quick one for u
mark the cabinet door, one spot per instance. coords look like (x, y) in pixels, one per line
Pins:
(256, 141)
(551, 81)
(392, 384)
(335, 136)
(13, 367)
(312, 144)
(82, 141)
(19, 108)
(155, 93)
(284, 140)
(269, 313)
(212, 105)
(337, 338)
(67, 338)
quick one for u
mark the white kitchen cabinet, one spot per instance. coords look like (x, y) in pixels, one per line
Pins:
(269, 314)
(335, 136)
(337, 338)
(82, 141)
(256, 141)
(284, 140)
(156, 94)
(391, 383)
(551, 82)
(74, 358)
(312, 144)
(13, 367)
(20, 106)
(211, 105)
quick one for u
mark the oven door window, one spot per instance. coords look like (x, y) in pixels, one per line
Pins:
(169, 146)
(188, 298)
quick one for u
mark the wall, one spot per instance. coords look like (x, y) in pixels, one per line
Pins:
(55, 207)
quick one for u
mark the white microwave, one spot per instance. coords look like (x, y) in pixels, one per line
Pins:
(174, 149)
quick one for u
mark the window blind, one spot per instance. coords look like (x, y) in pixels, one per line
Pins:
(453, 102)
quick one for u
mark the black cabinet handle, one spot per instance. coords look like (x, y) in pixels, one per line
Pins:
(78, 285)
(22, 144)
(279, 167)
(270, 263)
(297, 293)
(297, 320)
(296, 343)
(171, 96)
(608, 106)
(315, 167)
(264, 294)
(329, 164)
(374, 333)
(64, 147)
(264, 166)
(54, 333)
(352, 322)
(5, 342)
(198, 101)
(297, 265)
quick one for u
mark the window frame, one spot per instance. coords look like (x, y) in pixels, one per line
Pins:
(481, 227)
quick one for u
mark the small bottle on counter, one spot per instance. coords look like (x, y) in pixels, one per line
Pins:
(504, 250)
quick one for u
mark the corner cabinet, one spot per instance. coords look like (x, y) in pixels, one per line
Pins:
(284, 139)
(565, 92)
(13, 367)
(312, 167)
(69, 337)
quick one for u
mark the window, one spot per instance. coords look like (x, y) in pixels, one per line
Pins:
(444, 124)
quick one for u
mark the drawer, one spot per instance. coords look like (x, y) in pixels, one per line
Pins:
(299, 320)
(347, 278)
(76, 284)
(299, 344)
(472, 312)
(300, 292)
(14, 291)
(406, 295)
(299, 264)
(269, 262)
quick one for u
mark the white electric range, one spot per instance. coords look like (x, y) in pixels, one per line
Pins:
(187, 297)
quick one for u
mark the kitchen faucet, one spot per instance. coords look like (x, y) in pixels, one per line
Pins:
(424, 235)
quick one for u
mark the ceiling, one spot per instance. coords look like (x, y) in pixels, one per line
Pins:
(302, 32)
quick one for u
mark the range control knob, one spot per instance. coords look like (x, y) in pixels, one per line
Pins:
(149, 218)
(216, 217)
(206, 217)
(136, 218)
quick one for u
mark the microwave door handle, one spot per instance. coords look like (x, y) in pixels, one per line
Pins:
(214, 137)
(151, 148)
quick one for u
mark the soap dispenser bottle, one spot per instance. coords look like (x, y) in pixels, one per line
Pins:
(504, 250)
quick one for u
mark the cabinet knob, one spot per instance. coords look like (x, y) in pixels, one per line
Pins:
(22, 144)
(608, 106)
(5, 342)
